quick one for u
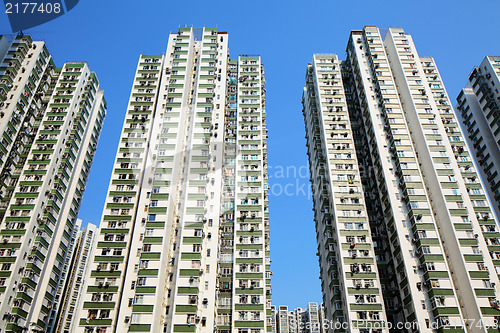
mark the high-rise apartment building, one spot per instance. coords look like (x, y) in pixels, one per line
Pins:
(274, 312)
(50, 120)
(298, 320)
(79, 272)
(405, 232)
(309, 320)
(313, 319)
(283, 320)
(184, 239)
(300, 316)
(292, 322)
(478, 109)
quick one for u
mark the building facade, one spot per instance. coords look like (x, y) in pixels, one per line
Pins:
(478, 109)
(298, 320)
(283, 324)
(78, 273)
(274, 312)
(184, 239)
(405, 232)
(50, 119)
(313, 318)
(301, 318)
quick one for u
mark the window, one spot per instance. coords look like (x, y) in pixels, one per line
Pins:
(443, 320)
(430, 266)
(421, 234)
(414, 204)
(481, 266)
(434, 283)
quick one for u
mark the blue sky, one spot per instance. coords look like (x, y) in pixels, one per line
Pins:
(111, 34)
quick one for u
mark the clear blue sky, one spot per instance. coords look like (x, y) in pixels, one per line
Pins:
(111, 34)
